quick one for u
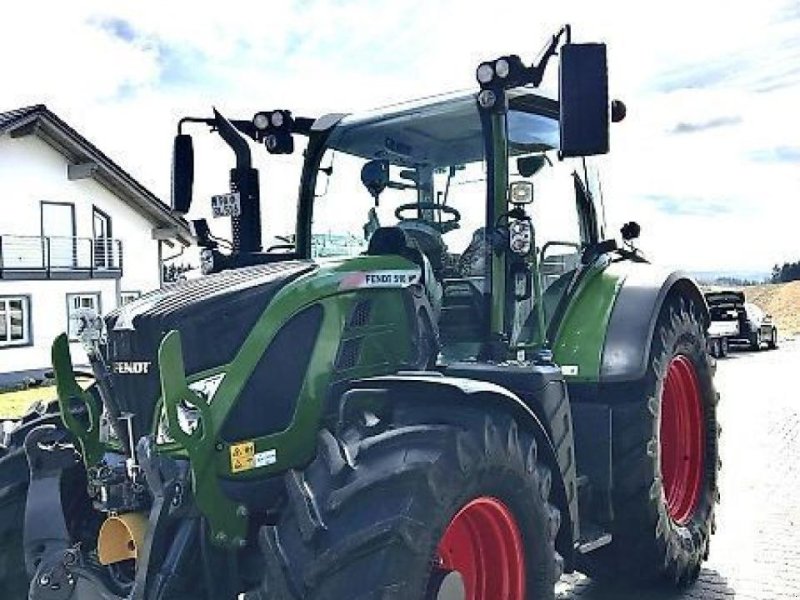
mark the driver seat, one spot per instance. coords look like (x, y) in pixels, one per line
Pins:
(393, 240)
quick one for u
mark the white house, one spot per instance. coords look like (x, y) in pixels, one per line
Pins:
(76, 230)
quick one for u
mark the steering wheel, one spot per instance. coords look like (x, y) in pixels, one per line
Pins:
(442, 227)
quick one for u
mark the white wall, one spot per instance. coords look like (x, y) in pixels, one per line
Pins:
(48, 304)
(32, 171)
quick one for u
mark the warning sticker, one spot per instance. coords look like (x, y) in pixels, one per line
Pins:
(392, 278)
(243, 457)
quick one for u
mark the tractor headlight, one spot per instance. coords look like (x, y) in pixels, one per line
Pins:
(485, 73)
(502, 68)
(521, 237)
(188, 414)
(261, 121)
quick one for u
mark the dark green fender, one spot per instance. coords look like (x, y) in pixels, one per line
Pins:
(607, 329)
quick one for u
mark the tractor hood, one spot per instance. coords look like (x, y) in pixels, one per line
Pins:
(214, 315)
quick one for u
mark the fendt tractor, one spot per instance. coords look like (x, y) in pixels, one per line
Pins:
(478, 392)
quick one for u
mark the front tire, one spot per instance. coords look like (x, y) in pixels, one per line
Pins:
(665, 452)
(388, 514)
(13, 496)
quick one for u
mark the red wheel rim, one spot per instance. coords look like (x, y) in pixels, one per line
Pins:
(484, 545)
(682, 440)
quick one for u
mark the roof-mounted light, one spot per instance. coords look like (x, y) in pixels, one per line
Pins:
(485, 73)
(502, 68)
(277, 119)
(261, 121)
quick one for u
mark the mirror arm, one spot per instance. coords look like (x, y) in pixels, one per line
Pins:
(536, 72)
(209, 122)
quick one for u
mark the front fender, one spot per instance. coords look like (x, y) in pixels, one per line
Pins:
(380, 395)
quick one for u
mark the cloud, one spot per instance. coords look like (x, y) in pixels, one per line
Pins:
(688, 206)
(779, 154)
(123, 73)
(706, 125)
(119, 28)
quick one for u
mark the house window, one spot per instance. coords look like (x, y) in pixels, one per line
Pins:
(15, 321)
(76, 303)
(59, 245)
(127, 297)
(103, 244)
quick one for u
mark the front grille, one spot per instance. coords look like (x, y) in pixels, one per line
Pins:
(214, 316)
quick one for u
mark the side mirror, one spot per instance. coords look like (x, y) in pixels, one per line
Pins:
(375, 176)
(583, 100)
(630, 231)
(520, 193)
(182, 173)
(528, 166)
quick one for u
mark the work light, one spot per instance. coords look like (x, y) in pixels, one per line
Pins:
(487, 98)
(276, 119)
(261, 121)
(502, 68)
(521, 236)
(485, 73)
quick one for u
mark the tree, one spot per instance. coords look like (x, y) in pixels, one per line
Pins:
(789, 271)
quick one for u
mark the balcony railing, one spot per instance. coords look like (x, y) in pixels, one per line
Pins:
(59, 257)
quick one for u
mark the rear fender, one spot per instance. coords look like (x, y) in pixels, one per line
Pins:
(382, 395)
(607, 330)
(633, 319)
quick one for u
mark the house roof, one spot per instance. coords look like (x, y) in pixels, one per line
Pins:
(40, 121)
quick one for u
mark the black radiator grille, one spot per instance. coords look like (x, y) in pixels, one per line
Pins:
(214, 315)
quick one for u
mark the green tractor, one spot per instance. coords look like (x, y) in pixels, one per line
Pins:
(473, 391)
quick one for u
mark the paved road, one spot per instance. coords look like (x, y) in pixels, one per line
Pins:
(755, 554)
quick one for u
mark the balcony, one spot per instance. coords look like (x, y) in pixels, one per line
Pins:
(34, 257)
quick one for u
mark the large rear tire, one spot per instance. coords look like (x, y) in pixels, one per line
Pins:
(394, 512)
(665, 451)
(13, 494)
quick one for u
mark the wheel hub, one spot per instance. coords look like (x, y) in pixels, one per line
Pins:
(483, 545)
(682, 440)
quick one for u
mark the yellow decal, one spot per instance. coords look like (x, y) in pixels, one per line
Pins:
(242, 457)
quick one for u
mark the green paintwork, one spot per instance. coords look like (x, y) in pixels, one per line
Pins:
(227, 521)
(499, 203)
(582, 333)
(384, 350)
(68, 392)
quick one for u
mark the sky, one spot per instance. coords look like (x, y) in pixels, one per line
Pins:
(706, 160)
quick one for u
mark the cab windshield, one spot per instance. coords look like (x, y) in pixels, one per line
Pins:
(421, 169)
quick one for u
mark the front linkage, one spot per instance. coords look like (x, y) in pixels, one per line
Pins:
(148, 497)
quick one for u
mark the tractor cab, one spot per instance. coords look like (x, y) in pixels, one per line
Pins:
(413, 180)
(489, 194)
